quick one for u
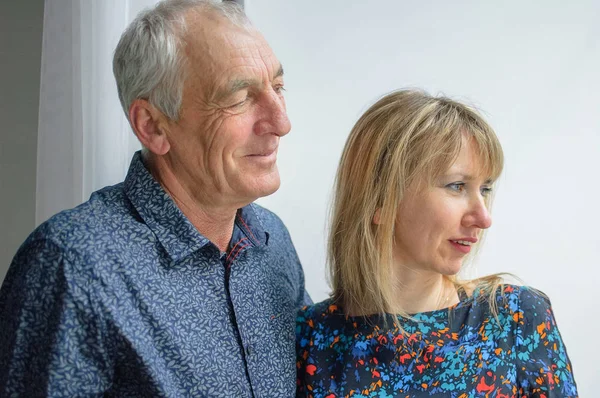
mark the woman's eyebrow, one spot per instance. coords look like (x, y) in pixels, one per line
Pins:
(467, 177)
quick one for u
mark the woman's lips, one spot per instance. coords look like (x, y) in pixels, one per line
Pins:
(460, 247)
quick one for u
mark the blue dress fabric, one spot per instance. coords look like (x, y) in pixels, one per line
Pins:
(463, 351)
(122, 296)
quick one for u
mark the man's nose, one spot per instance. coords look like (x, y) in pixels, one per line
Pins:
(273, 115)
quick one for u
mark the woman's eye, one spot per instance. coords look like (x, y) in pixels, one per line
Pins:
(485, 191)
(456, 186)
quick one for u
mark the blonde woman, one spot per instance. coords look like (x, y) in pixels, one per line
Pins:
(411, 203)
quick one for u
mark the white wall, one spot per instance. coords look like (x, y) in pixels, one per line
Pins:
(532, 67)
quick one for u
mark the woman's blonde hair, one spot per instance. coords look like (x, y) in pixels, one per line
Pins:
(406, 137)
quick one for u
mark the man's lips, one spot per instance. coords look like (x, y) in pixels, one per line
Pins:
(266, 157)
(264, 152)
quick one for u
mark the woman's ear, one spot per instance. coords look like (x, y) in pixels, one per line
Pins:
(149, 125)
(377, 216)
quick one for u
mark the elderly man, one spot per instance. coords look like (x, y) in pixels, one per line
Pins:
(171, 283)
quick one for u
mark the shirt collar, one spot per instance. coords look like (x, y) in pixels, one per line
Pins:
(172, 228)
(248, 222)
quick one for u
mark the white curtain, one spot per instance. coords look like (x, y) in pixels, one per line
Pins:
(84, 139)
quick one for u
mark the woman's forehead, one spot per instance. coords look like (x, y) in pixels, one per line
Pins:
(475, 161)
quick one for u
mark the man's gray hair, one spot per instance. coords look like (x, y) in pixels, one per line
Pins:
(149, 62)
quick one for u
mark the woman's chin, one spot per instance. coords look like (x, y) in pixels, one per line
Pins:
(450, 269)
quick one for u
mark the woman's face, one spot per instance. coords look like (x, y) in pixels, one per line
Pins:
(438, 225)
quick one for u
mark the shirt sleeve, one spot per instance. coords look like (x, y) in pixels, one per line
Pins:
(51, 336)
(303, 298)
(544, 369)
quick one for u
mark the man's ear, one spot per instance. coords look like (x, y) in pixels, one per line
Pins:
(149, 124)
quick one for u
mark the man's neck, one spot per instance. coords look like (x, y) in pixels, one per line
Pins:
(213, 221)
(214, 224)
(421, 291)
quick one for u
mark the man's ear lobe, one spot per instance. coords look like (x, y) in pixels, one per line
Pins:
(148, 125)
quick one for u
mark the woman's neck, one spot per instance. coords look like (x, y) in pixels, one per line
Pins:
(421, 291)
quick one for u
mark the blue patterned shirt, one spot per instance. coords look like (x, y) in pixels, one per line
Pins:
(122, 296)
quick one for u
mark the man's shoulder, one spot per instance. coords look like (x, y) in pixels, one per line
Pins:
(85, 241)
(66, 245)
(103, 213)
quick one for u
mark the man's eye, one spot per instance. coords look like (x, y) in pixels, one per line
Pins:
(279, 89)
(239, 103)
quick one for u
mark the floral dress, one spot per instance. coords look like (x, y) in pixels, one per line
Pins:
(462, 351)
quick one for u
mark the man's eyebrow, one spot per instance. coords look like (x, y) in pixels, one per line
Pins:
(241, 84)
(279, 72)
(233, 87)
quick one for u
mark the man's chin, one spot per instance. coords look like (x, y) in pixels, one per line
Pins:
(265, 185)
(270, 189)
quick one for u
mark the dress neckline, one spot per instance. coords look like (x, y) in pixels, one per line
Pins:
(463, 300)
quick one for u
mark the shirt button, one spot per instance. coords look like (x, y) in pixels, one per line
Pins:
(249, 350)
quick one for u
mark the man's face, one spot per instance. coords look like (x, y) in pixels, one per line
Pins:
(233, 114)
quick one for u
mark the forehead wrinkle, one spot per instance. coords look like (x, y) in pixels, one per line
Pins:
(263, 54)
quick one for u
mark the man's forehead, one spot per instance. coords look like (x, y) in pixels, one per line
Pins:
(206, 29)
(223, 57)
(214, 41)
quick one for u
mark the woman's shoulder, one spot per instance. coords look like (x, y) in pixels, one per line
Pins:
(511, 298)
(533, 310)
(323, 321)
(318, 312)
(530, 298)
